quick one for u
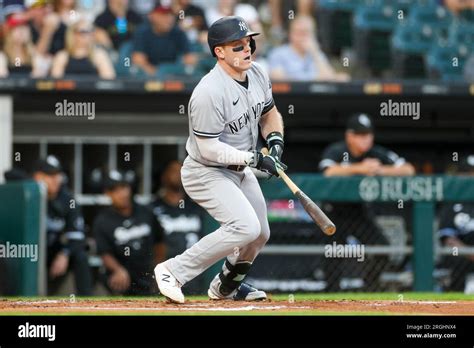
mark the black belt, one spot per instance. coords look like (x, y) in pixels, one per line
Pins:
(237, 168)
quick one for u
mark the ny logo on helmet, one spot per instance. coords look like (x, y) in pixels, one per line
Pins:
(243, 26)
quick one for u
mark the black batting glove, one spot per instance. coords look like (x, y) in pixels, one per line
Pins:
(275, 144)
(267, 164)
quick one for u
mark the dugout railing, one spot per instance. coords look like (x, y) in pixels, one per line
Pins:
(419, 194)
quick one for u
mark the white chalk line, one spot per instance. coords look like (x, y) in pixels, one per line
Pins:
(181, 308)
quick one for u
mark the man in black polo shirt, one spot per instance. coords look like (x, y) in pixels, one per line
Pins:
(65, 230)
(129, 240)
(456, 230)
(358, 155)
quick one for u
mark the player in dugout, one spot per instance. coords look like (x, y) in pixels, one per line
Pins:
(129, 240)
(456, 230)
(65, 230)
(358, 155)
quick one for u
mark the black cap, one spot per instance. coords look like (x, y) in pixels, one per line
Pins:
(115, 178)
(467, 164)
(50, 165)
(360, 123)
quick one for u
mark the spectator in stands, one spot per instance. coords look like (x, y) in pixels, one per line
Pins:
(161, 42)
(129, 240)
(281, 12)
(192, 20)
(116, 24)
(81, 56)
(232, 8)
(66, 246)
(357, 155)
(456, 6)
(180, 217)
(302, 59)
(19, 58)
(456, 230)
(50, 39)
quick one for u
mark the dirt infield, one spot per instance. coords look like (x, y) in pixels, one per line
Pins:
(193, 307)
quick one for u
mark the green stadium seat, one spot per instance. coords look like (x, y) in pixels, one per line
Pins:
(410, 43)
(462, 33)
(438, 17)
(373, 26)
(334, 18)
(467, 16)
(446, 61)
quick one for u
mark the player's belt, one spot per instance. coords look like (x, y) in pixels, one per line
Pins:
(237, 168)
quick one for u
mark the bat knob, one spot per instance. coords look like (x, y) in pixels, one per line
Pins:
(329, 230)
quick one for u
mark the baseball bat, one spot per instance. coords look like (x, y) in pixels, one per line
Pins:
(318, 216)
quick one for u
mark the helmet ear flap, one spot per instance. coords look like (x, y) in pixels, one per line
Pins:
(253, 45)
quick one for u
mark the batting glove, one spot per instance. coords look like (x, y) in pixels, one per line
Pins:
(275, 144)
(267, 163)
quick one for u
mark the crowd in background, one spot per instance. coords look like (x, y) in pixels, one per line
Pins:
(131, 38)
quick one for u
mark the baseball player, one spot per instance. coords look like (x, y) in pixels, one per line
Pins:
(226, 110)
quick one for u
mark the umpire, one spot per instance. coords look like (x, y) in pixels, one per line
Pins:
(129, 240)
(65, 230)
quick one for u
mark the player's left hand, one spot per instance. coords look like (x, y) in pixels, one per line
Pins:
(267, 163)
(275, 144)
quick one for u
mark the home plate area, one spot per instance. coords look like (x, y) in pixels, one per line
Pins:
(303, 307)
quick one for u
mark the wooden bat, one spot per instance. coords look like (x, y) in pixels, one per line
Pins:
(318, 216)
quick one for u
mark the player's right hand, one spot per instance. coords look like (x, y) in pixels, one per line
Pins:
(119, 280)
(267, 163)
(370, 166)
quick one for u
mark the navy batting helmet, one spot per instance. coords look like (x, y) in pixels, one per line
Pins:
(229, 29)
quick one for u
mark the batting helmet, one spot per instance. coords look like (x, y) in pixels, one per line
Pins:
(229, 29)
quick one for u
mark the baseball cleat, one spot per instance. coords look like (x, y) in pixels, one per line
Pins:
(168, 285)
(244, 292)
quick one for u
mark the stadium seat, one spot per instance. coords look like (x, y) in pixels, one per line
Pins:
(463, 33)
(373, 26)
(124, 56)
(467, 16)
(447, 61)
(438, 17)
(334, 18)
(409, 44)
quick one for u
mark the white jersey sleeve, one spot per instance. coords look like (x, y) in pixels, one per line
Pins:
(206, 114)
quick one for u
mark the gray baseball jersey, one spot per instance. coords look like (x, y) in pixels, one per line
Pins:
(222, 108)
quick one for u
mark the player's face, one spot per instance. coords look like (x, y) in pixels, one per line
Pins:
(360, 142)
(237, 54)
(172, 176)
(162, 22)
(300, 34)
(52, 181)
(121, 196)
